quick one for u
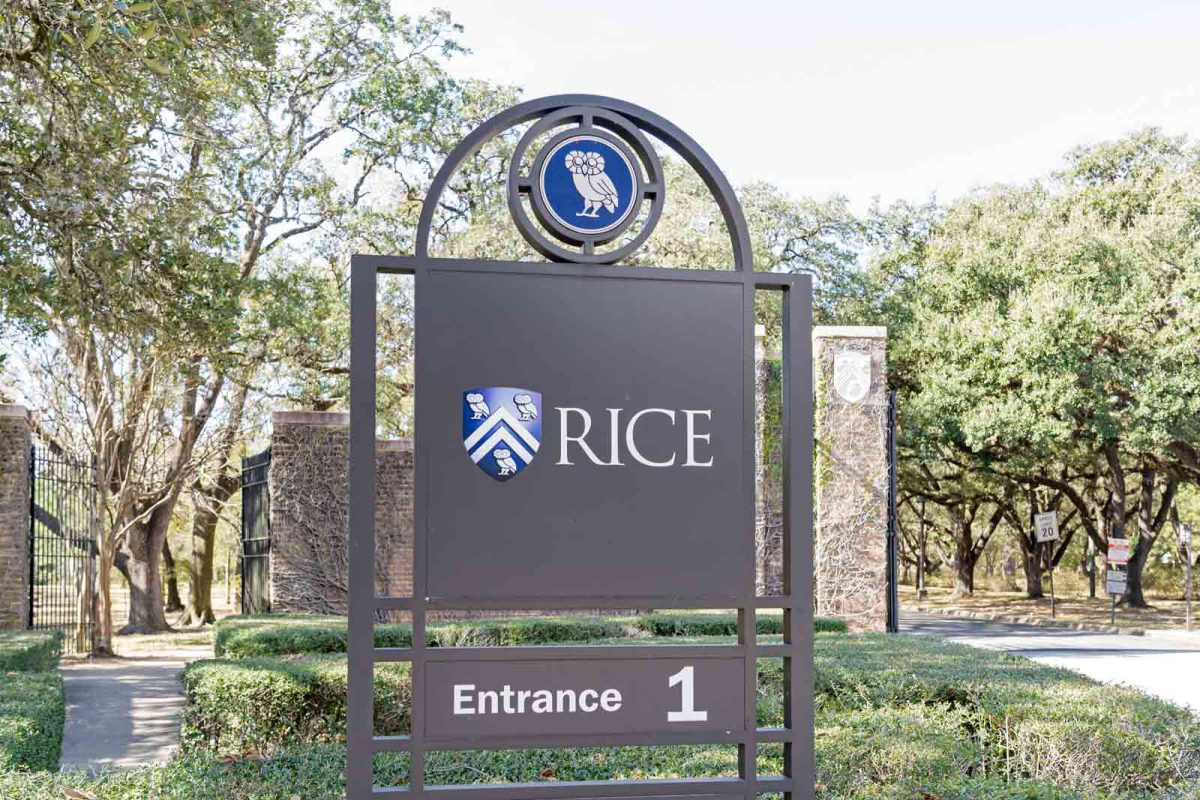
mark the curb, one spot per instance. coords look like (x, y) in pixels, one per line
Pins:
(1037, 622)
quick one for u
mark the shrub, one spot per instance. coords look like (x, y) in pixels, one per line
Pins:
(298, 634)
(32, 714)
(259, 705)
(30, 651)
(315, 772)
(293, 634)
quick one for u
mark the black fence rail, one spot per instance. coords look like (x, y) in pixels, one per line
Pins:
(255, 562)
(62, 546)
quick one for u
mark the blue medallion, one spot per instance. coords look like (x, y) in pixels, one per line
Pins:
(502, 428)
(588, 184)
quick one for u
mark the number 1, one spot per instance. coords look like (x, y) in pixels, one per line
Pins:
(688, 712)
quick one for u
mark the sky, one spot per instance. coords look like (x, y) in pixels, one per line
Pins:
(865, 98)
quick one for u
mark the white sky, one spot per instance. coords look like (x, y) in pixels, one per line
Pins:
(861, 97)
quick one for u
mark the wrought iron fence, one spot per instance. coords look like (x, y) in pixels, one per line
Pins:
(256, 534)
(62, 552)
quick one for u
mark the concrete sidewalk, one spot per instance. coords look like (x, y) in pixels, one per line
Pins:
(124, 712)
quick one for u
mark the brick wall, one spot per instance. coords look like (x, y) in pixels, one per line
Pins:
(309, 513)
(14, 517)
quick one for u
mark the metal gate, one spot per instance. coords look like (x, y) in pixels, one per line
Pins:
(62, 546)
(893, 571)
(256, 534)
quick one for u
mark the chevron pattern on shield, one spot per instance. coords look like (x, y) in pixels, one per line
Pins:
(502, 428)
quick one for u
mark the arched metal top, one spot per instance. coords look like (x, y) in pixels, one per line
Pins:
(648, 121)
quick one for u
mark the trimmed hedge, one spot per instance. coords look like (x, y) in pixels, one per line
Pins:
(263, 704)
(29, 651)
(33, 710)
(297, 634)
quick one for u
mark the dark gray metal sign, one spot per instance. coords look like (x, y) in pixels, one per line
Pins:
(635, 486)
(584, 439)
(549, 696)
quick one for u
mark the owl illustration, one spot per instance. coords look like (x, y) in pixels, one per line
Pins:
(479, 408)
(525, 407)
(592, 183)
(504, 460)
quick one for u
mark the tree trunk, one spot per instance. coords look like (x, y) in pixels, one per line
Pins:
(104, 618)
(174, 603)
(1031, 562)
(204, 534)
(144, 545)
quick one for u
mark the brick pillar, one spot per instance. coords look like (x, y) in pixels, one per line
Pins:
(309, 513)
(15, 440)
(850, 366)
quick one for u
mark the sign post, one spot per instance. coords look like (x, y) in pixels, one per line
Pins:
(1114, 579)
(1045, 532)
(1185, 544)
(584, 439)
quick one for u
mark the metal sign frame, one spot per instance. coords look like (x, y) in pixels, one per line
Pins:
(797, 735)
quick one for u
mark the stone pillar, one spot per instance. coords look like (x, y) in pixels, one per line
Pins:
(15, 441)
(850, 365)
(309, 513)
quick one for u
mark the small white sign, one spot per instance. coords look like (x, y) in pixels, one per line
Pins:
(1185, 535)
(1045, 526)
(1118, 551)
(1114, 582)
(852, 375)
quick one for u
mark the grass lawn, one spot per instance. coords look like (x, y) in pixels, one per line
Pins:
(1163, 613)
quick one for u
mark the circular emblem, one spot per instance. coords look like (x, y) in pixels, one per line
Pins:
(587, 184)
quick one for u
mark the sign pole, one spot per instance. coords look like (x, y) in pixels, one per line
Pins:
(921, 555)
(1050, 566)
(1185, 543)
(1189, 587)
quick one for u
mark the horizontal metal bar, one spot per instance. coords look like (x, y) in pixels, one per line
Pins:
(729, 601)
(407, 265)
(391, 744)
(393, 654)
(777, 280)
(552, 652)
(571, 790)
(774, 650)
(540, 741)
(773, 735)
(773, 602)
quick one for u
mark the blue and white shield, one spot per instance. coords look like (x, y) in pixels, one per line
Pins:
(502, 428)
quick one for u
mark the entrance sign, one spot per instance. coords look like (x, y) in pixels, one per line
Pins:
(585, 439)
(1118, 551)
(483, 701)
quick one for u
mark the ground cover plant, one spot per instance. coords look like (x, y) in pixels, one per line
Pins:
(29, 651)
(32, 703)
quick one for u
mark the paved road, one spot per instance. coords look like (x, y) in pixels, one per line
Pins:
(123, 712)
(1165, 664)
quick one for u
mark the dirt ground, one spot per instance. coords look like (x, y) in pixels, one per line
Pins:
(1163, 613)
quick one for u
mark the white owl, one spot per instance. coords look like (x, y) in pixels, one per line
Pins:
(592, 183)
(505, 461)
(477, 405)
(525, 405)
